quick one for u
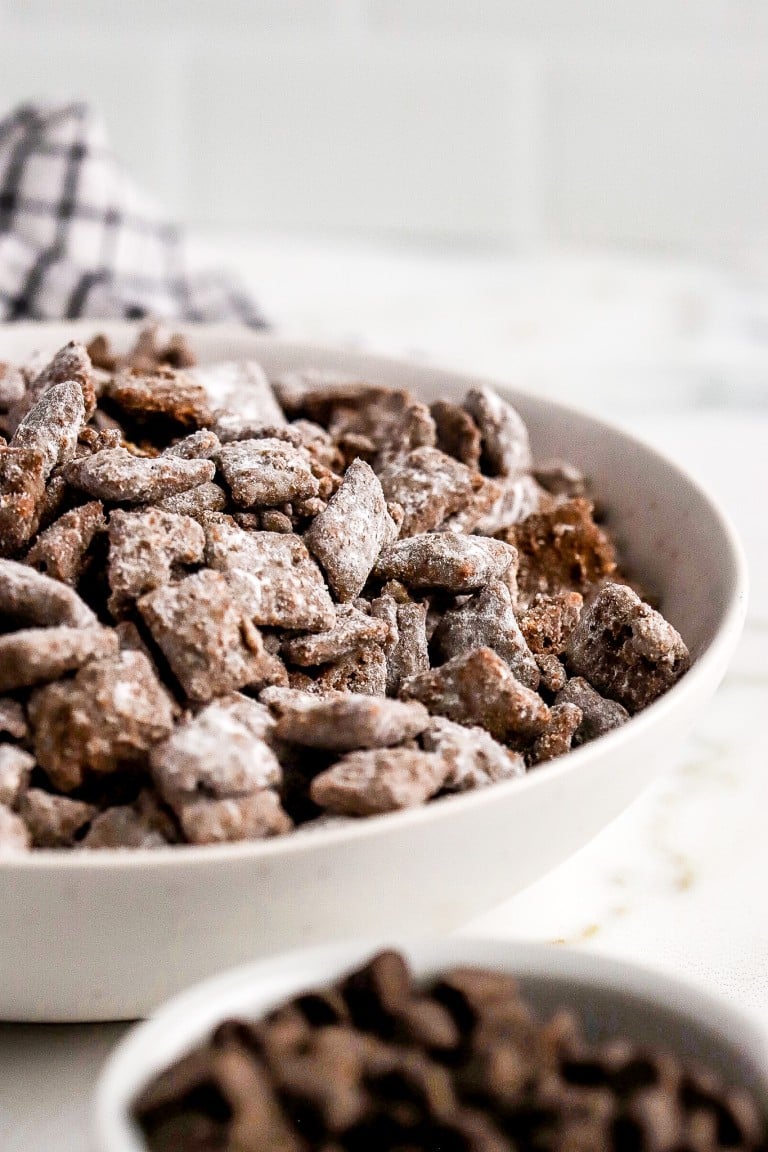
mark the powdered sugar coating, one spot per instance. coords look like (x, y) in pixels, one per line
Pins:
(352, 629)
(266, 472)
(38, 655)
(429, 486)
(53, 424)
(54, 821)
(220, 752)
(349, 535)
(557, 737)
(242, 389)
(446, 560)
(108, 716)
(254, 817)
(199, 625)
(145, 550)
(371, 782)
(288, 590)
(175, 396)
(14, 836)
(625, 649)
(343, 723)
(599, 715)
(472, 757)
(506, 447)
(61, 550)
(487, 620)
(116, 475)
(29, 598)
(22, 494)
(406, 649)
(15, 768)
(478, 688)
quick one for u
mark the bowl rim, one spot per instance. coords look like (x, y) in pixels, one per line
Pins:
(193, 1012)
(717, 651)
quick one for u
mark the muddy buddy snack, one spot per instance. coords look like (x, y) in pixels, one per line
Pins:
(231, 607)
(380, 1063)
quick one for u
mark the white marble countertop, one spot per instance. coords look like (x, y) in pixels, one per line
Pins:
(677, 881)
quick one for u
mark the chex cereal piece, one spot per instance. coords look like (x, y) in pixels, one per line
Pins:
(351, 630)
(406, 651)
(457, 433)
(53, 425)
(478, 688)
(14, 836)
(254, 817)
(517, 498)
(506, 447)
(71, 362)
(625, 649)
(28, 597)
(200, 626)
(220, 752)
(156, 345)
(201, 445)
(561, 478)
(22, 493)
(549, 620)
(13, 722)
(54, 821)
(107, 717)
(379, 780)
(242, 390)
(145, 550)
(174, 396)
(318, 387)
(348, 536)
(267, 472)
(12, 389)
(125, 826)
(556, 739)
(363, 672)
(599, 715)
(287, 587)
(561, 548)
(61, 551)
(271, 520)
(487, 620)
(447, 560)
(38, 655)
(484, 497)
(197, 501)
(343, 723)
(429, 486)
(319, 443)
(15, 768)
(413, 428)
(115, 474)
(473, 758)
(553, 673)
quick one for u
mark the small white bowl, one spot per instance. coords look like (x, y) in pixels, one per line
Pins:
(612, 999)
(111, 934)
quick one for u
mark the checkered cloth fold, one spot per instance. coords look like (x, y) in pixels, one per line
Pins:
(79, 238)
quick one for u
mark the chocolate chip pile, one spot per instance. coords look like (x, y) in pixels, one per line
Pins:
(229, 607)
(377, 1063)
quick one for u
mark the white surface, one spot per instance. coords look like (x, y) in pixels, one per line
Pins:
(639, 1003)
(141, 925)
(512, 120)
(651, 887)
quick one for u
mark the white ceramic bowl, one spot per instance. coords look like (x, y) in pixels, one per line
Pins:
(111, 934)
(611, 998)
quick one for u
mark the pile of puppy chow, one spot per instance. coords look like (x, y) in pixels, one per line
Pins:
(230, 607)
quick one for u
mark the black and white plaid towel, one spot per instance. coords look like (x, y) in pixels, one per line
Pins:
(79, 238)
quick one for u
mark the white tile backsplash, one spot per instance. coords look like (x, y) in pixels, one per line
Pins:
(513, 121)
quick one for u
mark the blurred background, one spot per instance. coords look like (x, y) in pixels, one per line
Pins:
(580, 183)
